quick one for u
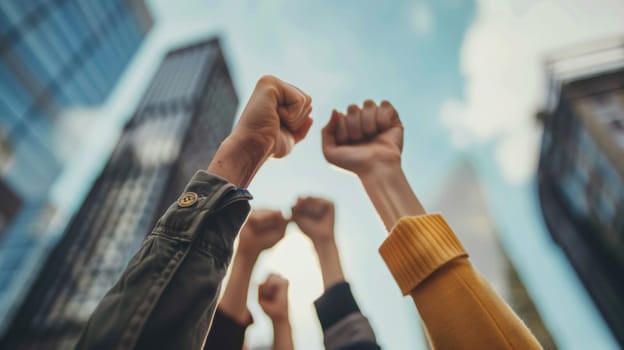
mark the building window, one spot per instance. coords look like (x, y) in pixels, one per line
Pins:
(13, 95)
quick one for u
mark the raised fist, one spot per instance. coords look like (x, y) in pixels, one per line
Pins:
(315, 217)
(263, 230)
(365, 138)
(273, 297)
(276, 117)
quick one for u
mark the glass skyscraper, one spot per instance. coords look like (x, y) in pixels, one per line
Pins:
(581, 173)
(185, 113)
(55, 55)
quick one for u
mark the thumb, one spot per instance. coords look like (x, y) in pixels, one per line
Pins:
(284, 143)
(301, 133)
(294, 106)
(329, 131)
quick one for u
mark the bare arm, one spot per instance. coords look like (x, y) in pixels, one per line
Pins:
(343, 324)
(282, 336)
(391, 194)
(273, 298)
(329, 259)
(315, 218)
(263, 230)
(234, 300)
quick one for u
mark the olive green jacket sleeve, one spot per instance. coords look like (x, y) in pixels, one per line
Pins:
(166, 297)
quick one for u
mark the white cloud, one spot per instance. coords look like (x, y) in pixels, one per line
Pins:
(516, 153)
(422, 19)
(501, 59)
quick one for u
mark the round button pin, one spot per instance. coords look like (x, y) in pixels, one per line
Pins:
(187, 199)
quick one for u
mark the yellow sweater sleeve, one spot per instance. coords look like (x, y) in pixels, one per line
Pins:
(458, 307)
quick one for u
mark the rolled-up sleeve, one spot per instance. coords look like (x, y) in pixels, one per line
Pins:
(167, 295)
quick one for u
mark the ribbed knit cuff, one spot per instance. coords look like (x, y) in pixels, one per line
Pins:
(417, 246)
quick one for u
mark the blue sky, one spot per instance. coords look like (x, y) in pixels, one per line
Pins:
(465, 78)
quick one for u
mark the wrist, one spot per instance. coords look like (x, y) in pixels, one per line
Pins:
(380, 173)
(391, 194)
(281, 321)
(238, 158)
(247, 257)
(324, 244)
(255, 145)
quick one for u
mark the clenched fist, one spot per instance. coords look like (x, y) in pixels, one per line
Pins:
(273, 298)
(276, 117)
(315, 217)
(263, 230)
(365, 138)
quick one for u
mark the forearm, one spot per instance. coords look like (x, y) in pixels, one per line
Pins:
(238, 160)
(457, 300)
(282, 335)
(429, 263)
(329, 259)
(234, 300)
(391, 194)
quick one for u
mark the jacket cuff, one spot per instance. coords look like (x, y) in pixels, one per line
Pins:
(225, 332)
(336, 303)
(418, 246)
(351, 332)
(204, 194)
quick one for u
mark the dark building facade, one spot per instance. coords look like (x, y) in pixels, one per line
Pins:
(187, 110)
(55, 55)
(581, 182)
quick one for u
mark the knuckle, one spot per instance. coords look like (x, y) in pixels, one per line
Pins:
(369, 103)
(387, 108)
(302, 99)
(390, 109)
(267, 79)
(386, 103)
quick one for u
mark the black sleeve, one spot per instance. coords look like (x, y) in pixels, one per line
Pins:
(344, 326)
(336, 303)
(225, 333)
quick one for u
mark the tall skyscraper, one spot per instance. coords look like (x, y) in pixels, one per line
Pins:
(464, 206)
(581, 171)
(187, 110)
(55, 55)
